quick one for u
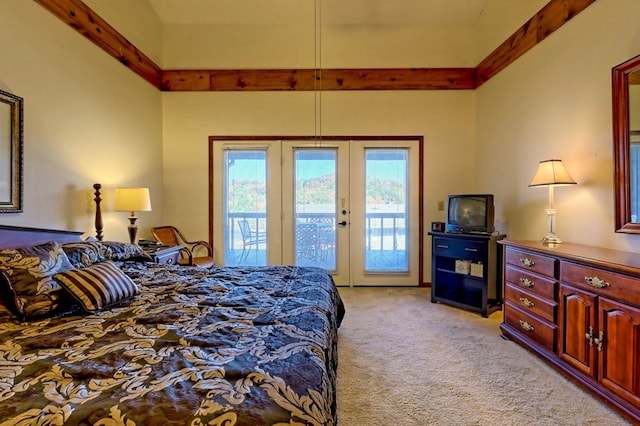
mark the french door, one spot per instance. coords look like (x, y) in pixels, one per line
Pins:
(349, 206)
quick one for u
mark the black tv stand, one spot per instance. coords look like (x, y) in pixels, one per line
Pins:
(466, 271)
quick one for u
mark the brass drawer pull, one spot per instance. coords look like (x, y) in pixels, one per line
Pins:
(442, 246)
(589, 335)
(470, 249)
(596, 282)
(526, 302)
(599, 341)
(526, 326)
(527, 262)
(526, 282)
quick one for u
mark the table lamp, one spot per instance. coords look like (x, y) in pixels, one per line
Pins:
(132, 200)
(551, 173)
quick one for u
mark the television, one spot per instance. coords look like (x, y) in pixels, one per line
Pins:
(470, 213)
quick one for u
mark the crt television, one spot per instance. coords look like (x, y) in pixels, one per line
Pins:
(470, 213)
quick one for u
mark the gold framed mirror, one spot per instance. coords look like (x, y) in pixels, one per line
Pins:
(626, 145)
(11, 134)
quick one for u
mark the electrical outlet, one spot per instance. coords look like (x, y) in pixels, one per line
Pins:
(441, 206)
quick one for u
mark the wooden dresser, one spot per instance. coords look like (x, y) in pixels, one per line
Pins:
(578, 308)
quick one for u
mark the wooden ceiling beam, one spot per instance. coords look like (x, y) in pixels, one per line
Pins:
(552, 16)
(398, 79)
(84, 20)
(326, 79)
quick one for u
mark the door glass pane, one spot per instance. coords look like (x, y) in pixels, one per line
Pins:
(315, 207)
(386, 212)
(245, 207)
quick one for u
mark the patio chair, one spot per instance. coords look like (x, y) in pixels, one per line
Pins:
(250, 238)
(307, 244)
(326, 234)
(170, 236)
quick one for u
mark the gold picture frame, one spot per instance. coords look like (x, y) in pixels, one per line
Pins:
(11, 152)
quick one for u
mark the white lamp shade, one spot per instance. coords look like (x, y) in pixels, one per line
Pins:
(132, 200)
(551, 172)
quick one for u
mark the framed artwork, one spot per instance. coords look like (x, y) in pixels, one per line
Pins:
(11, 152)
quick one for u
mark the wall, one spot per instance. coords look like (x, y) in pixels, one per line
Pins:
(494, 137)
(136, 20)
(555, 102)
(445, 118)
(290, 37)
(496, 23)
(87, 119)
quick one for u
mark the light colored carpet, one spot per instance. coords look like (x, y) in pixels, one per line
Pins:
(406, 361)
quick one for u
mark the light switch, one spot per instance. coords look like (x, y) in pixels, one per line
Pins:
(440, 205)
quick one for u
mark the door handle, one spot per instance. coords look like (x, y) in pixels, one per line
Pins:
(343, 223)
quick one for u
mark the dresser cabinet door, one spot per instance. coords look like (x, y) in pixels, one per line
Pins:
(577, 324)
(620, 355)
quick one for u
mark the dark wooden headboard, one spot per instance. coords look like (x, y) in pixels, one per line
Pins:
(18, 236)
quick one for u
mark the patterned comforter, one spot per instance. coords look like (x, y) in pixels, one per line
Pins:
(225, 346)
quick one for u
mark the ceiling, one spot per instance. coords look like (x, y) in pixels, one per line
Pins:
(333, 12)
(446, 29)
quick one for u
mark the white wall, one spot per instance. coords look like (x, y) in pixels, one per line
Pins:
(136, 20)
(555, 102)
(295, 37)
(499, 20)
(445, 118)
(87, 119)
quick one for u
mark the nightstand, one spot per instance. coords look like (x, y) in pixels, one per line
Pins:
(168, 255)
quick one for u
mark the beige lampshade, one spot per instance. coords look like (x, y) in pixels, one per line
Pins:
(551, 172)
(132, 200)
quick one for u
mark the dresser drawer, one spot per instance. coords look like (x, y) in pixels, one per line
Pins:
(460, 249)
(543, 286)
(529, 302)
(604, 283)
(528, 325)
(537, 263)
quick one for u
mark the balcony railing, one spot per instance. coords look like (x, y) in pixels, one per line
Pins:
(385, 234)
(384, 231)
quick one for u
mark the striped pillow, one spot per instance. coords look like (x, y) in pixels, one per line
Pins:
(98, 286)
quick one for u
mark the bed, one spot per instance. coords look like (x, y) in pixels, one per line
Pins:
(163, 344)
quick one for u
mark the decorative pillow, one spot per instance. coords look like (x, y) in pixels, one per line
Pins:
(98, 286)
(27, 280)
(84, 253)
(124, 251)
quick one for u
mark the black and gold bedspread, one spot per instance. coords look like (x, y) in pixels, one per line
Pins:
(226, 346)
